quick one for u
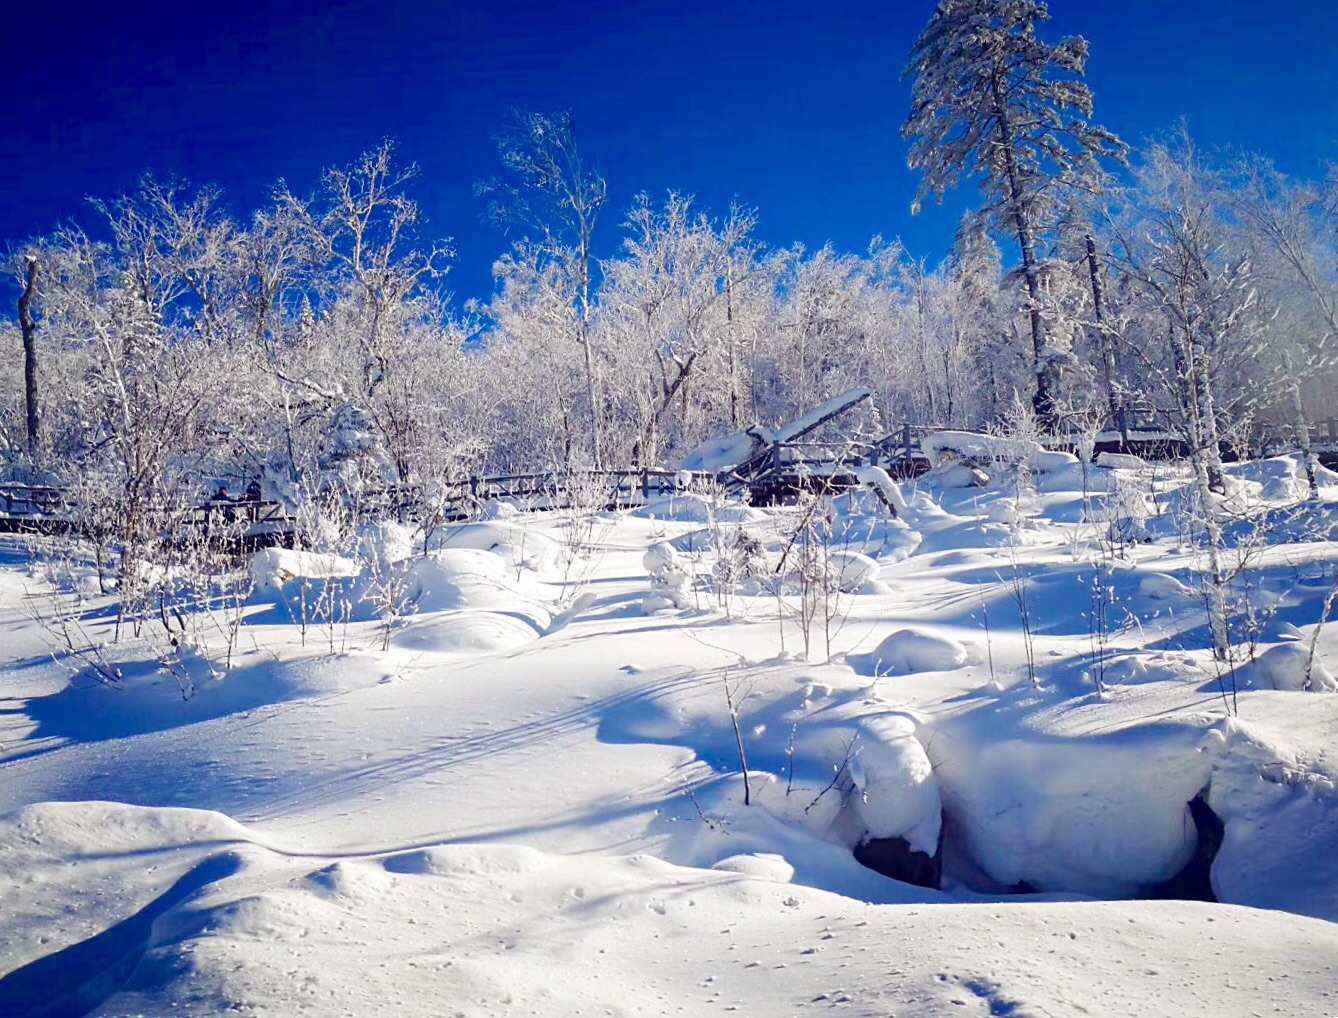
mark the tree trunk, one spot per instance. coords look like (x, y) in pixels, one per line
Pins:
(1207, 411)
(1216, 579)
(1044, 401)
(29, 328)
(583, 337)
(1302, 426)
(732, 341)
(596, 436)
(1117, 417)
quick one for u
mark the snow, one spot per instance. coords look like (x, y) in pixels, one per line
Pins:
(1160, 587)
(981, 450)
(518, 544)
(508, 929)
(810, 419)
(717, 455)
(1290, 666)
(724, 453)
(275, 568)
(1120, 461)
(698, 509)
(915, 650)
(525, 793)
(897, 794)
(851, 571)
(1100, 816)
(878, 479)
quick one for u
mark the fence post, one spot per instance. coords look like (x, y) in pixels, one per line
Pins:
(906, 441)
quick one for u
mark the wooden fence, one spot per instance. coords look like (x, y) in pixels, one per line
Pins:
(775, 473)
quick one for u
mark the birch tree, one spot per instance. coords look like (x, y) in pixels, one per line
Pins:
(549, 192)
(1286, 221)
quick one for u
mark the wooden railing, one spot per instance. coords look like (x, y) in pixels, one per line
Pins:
(33, 507)
(552, 489)
(772, 471)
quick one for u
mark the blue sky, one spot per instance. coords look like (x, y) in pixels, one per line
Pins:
(793, 108)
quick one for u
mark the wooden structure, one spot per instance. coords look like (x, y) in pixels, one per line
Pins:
(785, 463)
(781, 465)
(33, 509)
(460, 500)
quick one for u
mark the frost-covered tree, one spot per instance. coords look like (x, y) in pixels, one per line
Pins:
(135, 411)
(992, 101)
(379, 282)
(1197, 293)
(533, 379)
(675, 306)
(1295, 246)
(549, 193)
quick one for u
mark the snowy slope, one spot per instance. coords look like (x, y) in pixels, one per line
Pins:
(532, 802)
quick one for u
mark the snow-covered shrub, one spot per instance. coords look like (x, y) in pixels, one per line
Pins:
(740, 557)
(670, 579)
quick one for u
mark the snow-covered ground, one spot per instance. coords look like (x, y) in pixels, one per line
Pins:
(527, 796)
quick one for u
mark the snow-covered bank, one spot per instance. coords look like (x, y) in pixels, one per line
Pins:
(226, 924)
(534, 769)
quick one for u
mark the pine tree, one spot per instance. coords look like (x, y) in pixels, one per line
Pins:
(991, 100)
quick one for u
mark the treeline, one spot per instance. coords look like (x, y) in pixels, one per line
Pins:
(311, 340)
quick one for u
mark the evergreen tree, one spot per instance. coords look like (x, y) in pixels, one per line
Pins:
(991, 100)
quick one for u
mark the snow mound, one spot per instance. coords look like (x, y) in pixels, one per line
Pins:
(1162, 587)
(467, 632)
(759, 866)
(1051, 461)
(696, 509)
(1120, 461)
(498, 509)
(955, 475)
(274, 568)
(862, 523)
(516, 544)
(897, 794)
(1289, 666)
(1281, 478)
(850, 571)
(457, 579)
(1105, 816)
(453, 579)
(1003, 510)
(944, 447)
(912, 650)
(1280, 812)
(124, 854)
(879, 480)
